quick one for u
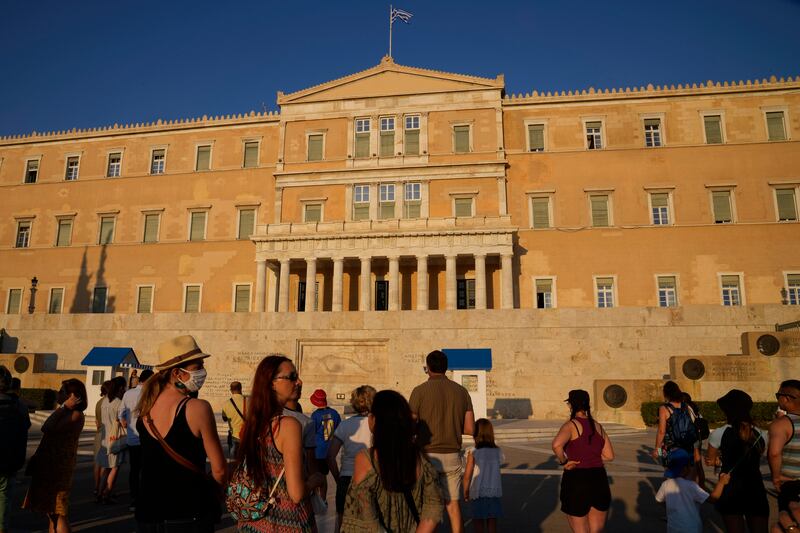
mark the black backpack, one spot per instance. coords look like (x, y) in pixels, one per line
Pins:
(14, 440)
(681, 429)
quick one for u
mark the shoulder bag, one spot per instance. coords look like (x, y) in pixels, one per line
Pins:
(120, 444)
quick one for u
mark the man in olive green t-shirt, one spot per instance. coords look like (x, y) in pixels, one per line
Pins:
(444, 412)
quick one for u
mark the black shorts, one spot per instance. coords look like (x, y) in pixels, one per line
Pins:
(584, 488)
(322, 467)
(341, 492)
(744, 499)
(790, 492)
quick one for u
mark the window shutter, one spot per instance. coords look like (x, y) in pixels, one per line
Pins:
(192, 299)
(536, 137)
(198, 225)
(99, 300)
(470, 294)
(730, 281)
(722, 206)
(315, 147)
(775, 126)
(247, 220)
(787, 210)
(64, 232)
(793, 280)
(594, 125)
(106, 230)
(463, 207)
(151, 228)
(660, 199)
(145, 300)
(362, 144)
(14, 301)
(461, 138)
(544, 285)
(652, 122)
(541, 213)
(56, 297)
(666, 282)
(387, 210)
(250, 154)
(412, 210)
(313, 213)
(412, 142)
(387, 143)
(242, 304)
(361, 212)
(600, 211)
(605, 283)
(203, 157)
(713, 127)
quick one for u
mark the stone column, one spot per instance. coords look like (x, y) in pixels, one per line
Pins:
(283, 289)
(272, 287)
(450, 280)
(311, 278)
(508, 282)
(394, 283)
(338, 271)
(366, 280)
(261, 285)
(480, 281)
(422, 283)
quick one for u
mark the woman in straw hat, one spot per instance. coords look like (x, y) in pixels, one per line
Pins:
(177, 433)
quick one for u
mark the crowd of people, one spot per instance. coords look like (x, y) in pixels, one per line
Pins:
(399, 465)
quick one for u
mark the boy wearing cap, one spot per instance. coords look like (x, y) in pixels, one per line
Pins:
(683, 496)
(325, 421)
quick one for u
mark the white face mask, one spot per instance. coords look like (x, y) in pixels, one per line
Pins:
(195, 381)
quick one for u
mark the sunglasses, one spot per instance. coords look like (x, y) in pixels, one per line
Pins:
(294, 376)
(790, 396)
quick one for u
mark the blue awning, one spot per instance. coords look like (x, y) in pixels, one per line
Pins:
(105, 356)
(468, 358)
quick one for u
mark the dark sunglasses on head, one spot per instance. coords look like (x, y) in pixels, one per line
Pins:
(294, 376)
(790, 396)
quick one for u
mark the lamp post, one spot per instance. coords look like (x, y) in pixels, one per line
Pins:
(32, 306)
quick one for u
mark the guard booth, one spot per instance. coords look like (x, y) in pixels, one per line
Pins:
(469, 367)
(104, 363)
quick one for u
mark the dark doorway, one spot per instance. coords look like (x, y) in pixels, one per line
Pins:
(465, 294)
(381, 295)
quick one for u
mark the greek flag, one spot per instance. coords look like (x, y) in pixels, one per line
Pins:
(405, 16)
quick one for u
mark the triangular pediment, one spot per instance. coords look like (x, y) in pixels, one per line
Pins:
(390, 79)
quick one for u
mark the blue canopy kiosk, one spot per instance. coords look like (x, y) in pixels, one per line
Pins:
(104, 363)
(469, 367)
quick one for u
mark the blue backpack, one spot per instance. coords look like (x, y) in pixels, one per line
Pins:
(681, 428)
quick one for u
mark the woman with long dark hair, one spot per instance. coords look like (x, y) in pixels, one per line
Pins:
(271, 444)
(581, 447)
(394, 486)
(743, 504)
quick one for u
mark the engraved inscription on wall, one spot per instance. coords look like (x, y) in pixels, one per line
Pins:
(232, 366)
(343, 361)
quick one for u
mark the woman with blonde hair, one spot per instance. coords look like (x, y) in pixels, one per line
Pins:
(177, 433)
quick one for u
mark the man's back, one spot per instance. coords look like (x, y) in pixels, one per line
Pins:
(130, 401)
(441, 405)
(231, 412)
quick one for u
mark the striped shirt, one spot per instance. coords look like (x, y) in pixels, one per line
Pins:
(790, 458)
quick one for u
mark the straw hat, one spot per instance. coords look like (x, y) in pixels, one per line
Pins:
(178, 351)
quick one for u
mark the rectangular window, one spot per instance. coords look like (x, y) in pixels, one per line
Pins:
(250, 154)
(197, 226)
(362, 137)
(14, 304)
(413, 200)
(98, 377)
(64, 232)
(315, 147)
(31, 171)
(386, 196)
(594, 135)
(793, 288)
(56, 301)
(463, 207)
(99, 299)
(713, 127)
(776, 128)
(72, 168)
(605, 292)
(731, 290)
(241, 299)
(659, 205)
(540, 208)
(312, 213)
(387, 136)
(667, 291)
(203, 161)
(152, 221)
(600, 213)
(157, 161)
(544, 293)
(361, 202)
(144, 300)
(106, 230)
(247, 223)
(787, 206)
(114, 165)
(412, 135)
(723, 214)
(465, 294)
(461, 139)
(652, 132)
(191, 300)
(23, 234)
(536, 137)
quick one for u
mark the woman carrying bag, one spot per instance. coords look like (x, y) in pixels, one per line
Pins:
(112, 452)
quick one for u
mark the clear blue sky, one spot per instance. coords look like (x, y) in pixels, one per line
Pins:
(82, 63)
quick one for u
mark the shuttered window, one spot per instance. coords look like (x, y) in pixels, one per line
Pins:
(544, 293)
(461, 139)
(413, 200)
(387, 136)
(242, 299)
(247, 222)
(151, 223)
(362, 137)
(463, 207)
(192, 299)
(361, 202)
(536, 137)
(541, 212)
(64, 233)
(144, 301)
(250, 154)
(776, 129)
(659, 204)
(56, 300)
(106, 230)
(315, 147)
(793, 283)
(600, 218)
(605, 292)
(713, 126)
(722, 207)
(14, 301)
(386, 197)
(197, 229)
(99, 297)
(412, 135)
(203, 158)
(787, 206)
(731, 291)
(312, 213)
(667, 291)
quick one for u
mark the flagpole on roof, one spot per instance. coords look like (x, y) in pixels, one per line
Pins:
(390, 30)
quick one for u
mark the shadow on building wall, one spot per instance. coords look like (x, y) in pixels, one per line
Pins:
(8, 343)
(83, 300)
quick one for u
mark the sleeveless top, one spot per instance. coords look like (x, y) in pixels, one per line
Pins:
(790, 457)
(486, 479)
(742, 459)
(168, 490)
(582, 449)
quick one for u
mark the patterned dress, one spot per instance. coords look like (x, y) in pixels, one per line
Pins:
(286, 516)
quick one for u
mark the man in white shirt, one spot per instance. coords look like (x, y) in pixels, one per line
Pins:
(128, 416)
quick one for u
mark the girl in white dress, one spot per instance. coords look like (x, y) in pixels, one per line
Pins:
(482, 482)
